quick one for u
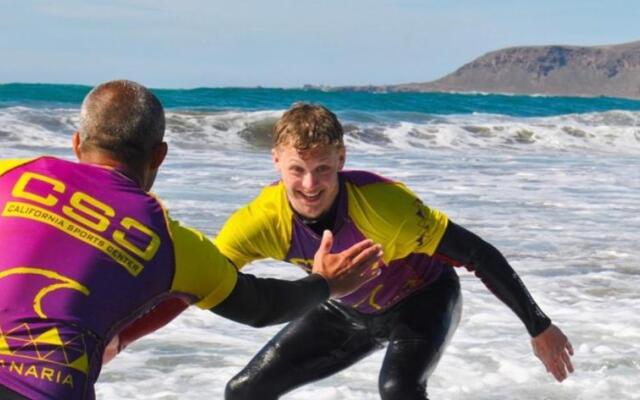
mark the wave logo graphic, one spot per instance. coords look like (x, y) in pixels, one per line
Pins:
(50, 346)
(64, 283)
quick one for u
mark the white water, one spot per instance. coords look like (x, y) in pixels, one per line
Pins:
(563, 209)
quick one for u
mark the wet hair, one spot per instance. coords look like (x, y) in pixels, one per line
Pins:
(306, 126)
(122, 118)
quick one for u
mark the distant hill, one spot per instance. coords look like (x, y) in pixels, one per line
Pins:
(553, 70)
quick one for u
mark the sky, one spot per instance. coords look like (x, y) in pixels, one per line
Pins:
(286, 43)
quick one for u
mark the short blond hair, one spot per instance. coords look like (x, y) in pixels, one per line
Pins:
(306, 126)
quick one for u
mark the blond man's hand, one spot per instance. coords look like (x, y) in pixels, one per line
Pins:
(553, 348)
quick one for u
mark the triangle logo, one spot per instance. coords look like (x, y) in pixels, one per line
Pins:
(81, 363)
(50, 337)
(4, 346)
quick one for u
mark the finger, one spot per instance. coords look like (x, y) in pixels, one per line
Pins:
(362, 264)
(557, 372)
(327, 242)
(547, 364)
(357, 248)
(367, 256)
(562, 372)
(569, 347)
(367, 267)
(567, 361)
(375, 262)
(562, 366)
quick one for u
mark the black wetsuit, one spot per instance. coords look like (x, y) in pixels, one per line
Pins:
(332, 337)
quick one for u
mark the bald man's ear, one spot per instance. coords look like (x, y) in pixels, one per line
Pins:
(75, 143)
(158, 155)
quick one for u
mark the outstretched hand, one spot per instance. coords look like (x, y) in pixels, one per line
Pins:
(553, 348)
(348, 270)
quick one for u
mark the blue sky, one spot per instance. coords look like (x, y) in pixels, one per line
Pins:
(196, 43)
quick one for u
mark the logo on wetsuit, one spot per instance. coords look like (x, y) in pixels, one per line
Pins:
(83, 215)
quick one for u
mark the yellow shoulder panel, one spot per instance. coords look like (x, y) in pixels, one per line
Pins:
(260, 229)
(7, 165)
(201, 270)
(392, 215)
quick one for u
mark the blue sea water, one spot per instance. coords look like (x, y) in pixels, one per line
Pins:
(552, 182)
(259, 99)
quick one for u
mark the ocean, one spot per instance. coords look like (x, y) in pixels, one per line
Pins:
(552, 182)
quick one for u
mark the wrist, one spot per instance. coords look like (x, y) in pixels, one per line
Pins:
(540, 326)
(321, 282)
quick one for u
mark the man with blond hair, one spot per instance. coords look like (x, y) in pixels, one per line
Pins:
(413, 305)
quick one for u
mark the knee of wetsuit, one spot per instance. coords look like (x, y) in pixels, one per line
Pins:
(240, 387)
(398, 389)
(237, 389)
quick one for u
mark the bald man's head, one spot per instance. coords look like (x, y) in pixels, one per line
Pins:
(122, 118)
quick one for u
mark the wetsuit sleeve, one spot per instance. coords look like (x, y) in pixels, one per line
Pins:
(264, 301)
(202, 272)
(461, 247)
(253, 301)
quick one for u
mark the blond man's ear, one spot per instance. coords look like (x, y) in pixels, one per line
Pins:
(275, 157)
(343, 157)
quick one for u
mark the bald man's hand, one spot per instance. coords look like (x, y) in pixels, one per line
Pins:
(348, 270)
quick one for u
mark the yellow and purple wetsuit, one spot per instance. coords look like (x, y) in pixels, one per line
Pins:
(83, 252)
(368, 206)
(413, 306)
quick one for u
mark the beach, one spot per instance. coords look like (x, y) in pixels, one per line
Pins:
(551, 182)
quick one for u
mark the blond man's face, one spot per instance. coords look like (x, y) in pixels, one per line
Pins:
(310, 177)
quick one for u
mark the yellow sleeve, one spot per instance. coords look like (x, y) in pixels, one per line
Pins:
(7, 165)
(392, 215)
(201, 270)
(261, 229)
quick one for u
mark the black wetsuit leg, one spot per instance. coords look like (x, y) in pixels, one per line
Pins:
(321, 343)
(6, 394)
(332, 337)
(421, 329)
